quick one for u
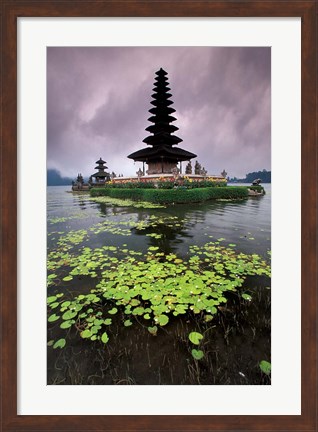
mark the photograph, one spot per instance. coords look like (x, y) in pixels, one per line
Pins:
(158, 215)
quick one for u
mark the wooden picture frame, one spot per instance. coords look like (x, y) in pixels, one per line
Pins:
(11, 10)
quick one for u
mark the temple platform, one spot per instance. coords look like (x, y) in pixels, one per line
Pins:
(167, 177)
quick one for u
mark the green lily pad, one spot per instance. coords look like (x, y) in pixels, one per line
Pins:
(105, 338)
(163, 320)
(197, 354)
(65, 304)
(195, 337)
(51, 299)
(53, 318)
(265, 367)
(69, 315)
(66, 324)
(86, 334)
(153, 330)
(59, 344)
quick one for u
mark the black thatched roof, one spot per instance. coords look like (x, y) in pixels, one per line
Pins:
(100, 174)
(163, 152)
(100, 161)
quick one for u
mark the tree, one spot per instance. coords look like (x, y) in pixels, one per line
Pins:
(264, 175)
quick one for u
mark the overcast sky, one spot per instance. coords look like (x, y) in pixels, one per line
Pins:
(98, 101)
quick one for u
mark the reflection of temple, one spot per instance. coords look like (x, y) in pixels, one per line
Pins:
(161, 156)
(100, 176)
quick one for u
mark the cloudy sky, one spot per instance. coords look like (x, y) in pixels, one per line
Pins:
(98, 101)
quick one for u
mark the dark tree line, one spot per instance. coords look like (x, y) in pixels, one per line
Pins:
(264, 175)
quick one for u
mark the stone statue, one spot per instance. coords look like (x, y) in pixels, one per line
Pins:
(188, 169)
(203, 172)
(139, 173)
(256, 182)
(175, 172)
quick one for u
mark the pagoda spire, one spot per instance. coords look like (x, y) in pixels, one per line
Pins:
(162, 156)
(162, 119)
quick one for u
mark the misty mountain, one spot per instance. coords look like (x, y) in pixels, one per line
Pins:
(54, 178)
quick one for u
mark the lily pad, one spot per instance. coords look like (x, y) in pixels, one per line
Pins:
(86, 334)
(51, 299)
(53, 318)
(265, 367)
(105, 338)
(195, 337)
(66, 324)
(197, 354)
(163, 320)
(59, 344)
(69, 315)
(153, 330)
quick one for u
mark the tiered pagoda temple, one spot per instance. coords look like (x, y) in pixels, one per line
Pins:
(161, 156)
(101, 176)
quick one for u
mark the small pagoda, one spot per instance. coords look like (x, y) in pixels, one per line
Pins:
(100, 176)
(161, 156)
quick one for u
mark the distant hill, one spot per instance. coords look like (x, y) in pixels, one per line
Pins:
(265, 176)
(54, 178)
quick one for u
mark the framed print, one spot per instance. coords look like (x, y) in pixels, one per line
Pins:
(159, 314)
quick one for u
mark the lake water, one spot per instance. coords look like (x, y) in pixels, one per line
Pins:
(241, 338)
(246, 223)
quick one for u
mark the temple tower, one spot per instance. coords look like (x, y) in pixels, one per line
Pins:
(161, 156)
(101, 176)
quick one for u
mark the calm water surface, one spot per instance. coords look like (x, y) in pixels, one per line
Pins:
(245, 223)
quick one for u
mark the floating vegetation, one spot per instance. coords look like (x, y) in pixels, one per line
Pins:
(125, 202)
(151, 288)
(77, 216)
(66, 243)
